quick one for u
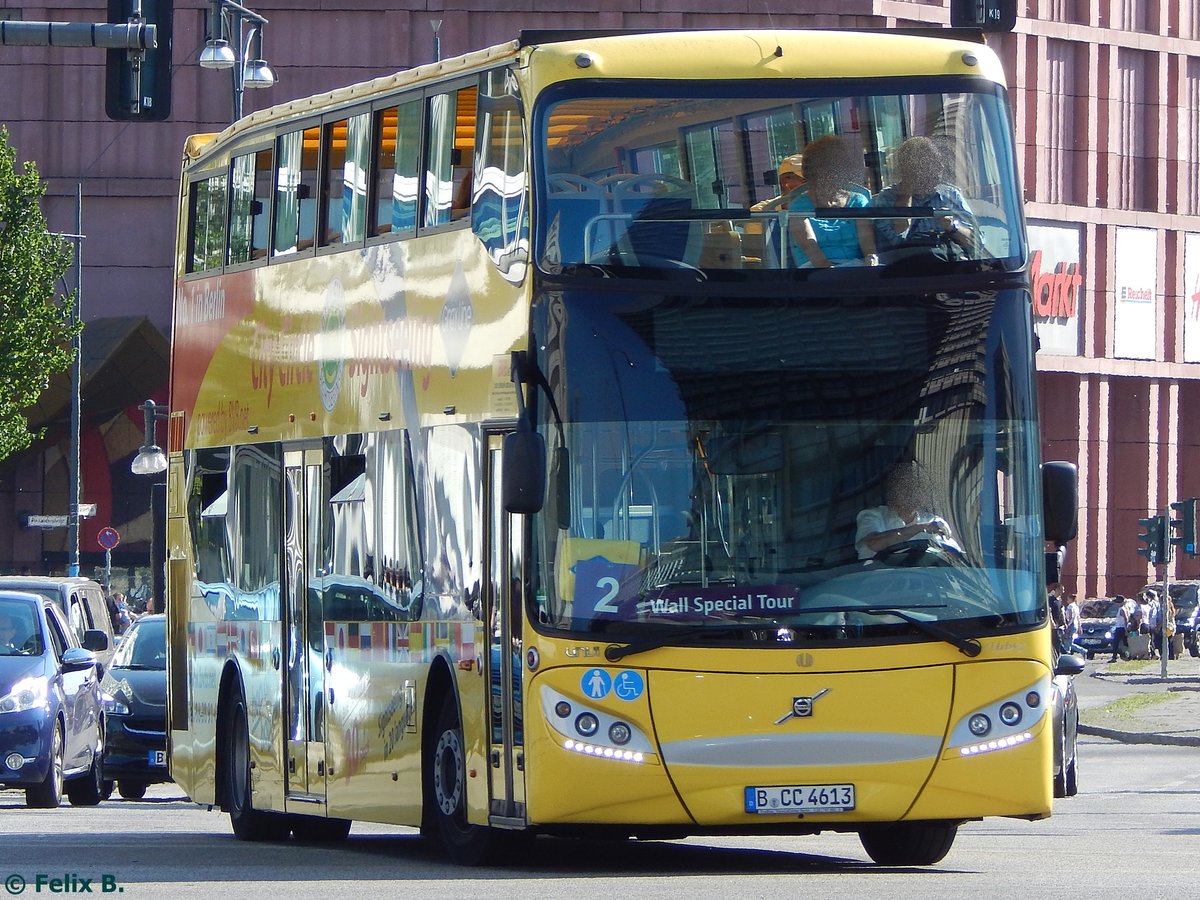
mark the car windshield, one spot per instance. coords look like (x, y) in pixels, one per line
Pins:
(20, 629)
(144, 646)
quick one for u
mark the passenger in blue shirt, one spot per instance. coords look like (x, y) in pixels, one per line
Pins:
(832, 169)
(920, 171)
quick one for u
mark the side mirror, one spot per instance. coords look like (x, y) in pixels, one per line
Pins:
(523, 486)
(95, 640)
(77, 660)
(1069, 664)
(1060, 501)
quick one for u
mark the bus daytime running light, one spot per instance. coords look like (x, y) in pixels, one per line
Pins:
(604, 752)
(999, 744)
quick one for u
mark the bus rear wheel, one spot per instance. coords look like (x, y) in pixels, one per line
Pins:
(248, 823)
(909, 843)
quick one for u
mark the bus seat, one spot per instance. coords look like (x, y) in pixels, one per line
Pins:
(659, 207)
(572, 202)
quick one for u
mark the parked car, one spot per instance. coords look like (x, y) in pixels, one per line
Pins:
(51, 709)
(80, 599)
(1096, 622)
(1066, 726)
(135, 698)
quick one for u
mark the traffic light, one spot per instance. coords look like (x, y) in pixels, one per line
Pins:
(1158, 548)
(138, 82)
(1185, 526)
(986, 15)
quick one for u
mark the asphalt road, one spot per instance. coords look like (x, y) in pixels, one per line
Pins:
(165, 847)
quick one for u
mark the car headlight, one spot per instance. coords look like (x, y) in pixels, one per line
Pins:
(28, 693)
(116, 706)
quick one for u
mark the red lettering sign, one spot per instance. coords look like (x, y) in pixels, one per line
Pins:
(1054, 293)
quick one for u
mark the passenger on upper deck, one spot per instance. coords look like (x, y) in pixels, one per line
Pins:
(789, 179)
(921, 172)
(832, 170)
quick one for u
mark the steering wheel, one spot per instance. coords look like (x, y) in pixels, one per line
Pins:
(905, 553)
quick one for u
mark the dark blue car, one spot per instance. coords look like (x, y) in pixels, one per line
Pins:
(135, 696)
(51, 708)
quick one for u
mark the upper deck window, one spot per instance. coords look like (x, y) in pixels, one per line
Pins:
(207, 212)
(397, 157)
(685, 176)
(296, 190)
(347, 159)
(250, 206)
(450, 137)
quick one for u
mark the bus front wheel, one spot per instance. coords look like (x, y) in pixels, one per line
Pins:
(248, 823)
(909, 843)
(464, 843)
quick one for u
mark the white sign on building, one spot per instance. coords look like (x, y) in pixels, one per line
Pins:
(1191, 298)
(1135, 286)
(1057, 277)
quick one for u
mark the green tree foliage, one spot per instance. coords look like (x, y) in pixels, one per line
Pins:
(37, 322)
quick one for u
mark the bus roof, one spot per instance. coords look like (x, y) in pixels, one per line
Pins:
(559, 55)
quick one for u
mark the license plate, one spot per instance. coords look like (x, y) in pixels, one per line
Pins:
(799, 798)
(158, 757)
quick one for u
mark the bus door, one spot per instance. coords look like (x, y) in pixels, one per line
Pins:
(303, 625)
(504, 618)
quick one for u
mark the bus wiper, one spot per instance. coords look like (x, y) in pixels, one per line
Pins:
(672, 634)
(967, 646)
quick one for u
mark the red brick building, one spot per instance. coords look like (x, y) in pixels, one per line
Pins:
(1106, 97)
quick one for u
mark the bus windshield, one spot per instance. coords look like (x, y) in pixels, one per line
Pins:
(753, 177)
(810, 465)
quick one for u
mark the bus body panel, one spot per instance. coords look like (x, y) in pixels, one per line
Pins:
(330, 344)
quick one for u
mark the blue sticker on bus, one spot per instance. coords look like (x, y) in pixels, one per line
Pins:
(629, 685)
(596, 683)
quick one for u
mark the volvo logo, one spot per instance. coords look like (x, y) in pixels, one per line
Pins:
(802, 707)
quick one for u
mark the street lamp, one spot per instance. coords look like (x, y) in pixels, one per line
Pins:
(150, 459)
(249, 69)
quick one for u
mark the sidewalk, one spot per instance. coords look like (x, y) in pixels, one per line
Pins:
(1130, 701)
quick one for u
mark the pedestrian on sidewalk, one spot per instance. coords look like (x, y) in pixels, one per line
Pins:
(1120, 632)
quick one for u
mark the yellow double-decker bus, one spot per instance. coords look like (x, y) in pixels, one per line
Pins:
(557, 447)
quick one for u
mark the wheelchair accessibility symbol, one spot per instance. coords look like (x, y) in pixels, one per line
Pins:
(628, 685)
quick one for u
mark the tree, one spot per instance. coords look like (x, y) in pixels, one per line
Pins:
(37, 323)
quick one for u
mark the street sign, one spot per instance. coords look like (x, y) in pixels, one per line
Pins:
(45, 521)
(108, 538)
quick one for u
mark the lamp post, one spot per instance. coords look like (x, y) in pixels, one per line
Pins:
(244, 56)
(151, 460)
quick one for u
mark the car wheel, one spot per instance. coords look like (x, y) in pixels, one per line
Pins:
(248, 823)
(909, 843)
(48, 794)
(106, 790)
(88, 789)
(131, 790)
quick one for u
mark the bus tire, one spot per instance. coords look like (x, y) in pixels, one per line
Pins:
(248, 823)
(909, 843)
(463, 843)
(316, 830)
